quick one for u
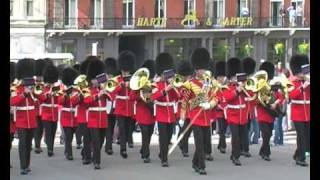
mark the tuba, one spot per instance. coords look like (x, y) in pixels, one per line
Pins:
(82, 85)
(140, 81)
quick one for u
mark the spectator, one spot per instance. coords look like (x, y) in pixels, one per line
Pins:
(282, 14)
(299, 12)
(245, 12)
(292, 15)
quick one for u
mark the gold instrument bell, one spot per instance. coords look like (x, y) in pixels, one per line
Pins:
(140, 81)
(258, 81)
(38, 88)
(82, 85)
(15, 84)
(111, 84)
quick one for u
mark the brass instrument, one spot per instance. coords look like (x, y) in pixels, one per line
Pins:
(140, 81)
(82, 85)
(38, 88)
(178, 80)
(15, 84)
(111, 84)
(284, 82)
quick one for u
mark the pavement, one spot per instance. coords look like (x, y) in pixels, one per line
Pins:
(114, 167)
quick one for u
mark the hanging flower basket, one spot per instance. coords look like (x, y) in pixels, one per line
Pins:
(279, 48)
(248, 49)
(303, 48)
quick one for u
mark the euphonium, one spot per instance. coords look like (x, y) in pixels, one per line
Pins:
(178, 80)
(38, 88)
(111, 84)
(140, 81)
(82, 85)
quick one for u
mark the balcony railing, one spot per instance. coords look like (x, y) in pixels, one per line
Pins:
(175, 23)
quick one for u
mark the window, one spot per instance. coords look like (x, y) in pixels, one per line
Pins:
(69, 46)
(128, 12)
(11, 8)
(70, 16)
(219, 50)
(181, 49)
(95, 13)
(218, 10)
(299, 12)
(189, 8)
(159, 10)
(243, 8)
(276, 19)
(29, 8)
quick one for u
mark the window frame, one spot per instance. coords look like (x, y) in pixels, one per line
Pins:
(189, 2)
(126, 17)
(70, 24)
(28, 8)
(11, 7)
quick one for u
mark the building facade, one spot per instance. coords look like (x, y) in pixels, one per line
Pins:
(27, 27)
(147, 27)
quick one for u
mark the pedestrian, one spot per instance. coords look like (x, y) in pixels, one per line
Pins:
(23, 99)
(282, 13)
(299, 13)
(292, 15)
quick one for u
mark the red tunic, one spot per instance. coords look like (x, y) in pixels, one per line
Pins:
(123, 105)
(219, 109)
(48, 106)
(300, 102)
(97, 110)
(67, 112)
(143, 114)
(25, 113)
(236, 108)
(164, 104)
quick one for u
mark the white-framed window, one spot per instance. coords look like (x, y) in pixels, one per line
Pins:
(218, 10)
(189, 8)
(160, 8)
(96, 13)
(243, 8)
(128, 13)
(275, 16)
(11, 8)
(298, 5)
(29, 8)
(71, 13)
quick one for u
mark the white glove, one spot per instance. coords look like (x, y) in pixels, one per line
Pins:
(205, 106)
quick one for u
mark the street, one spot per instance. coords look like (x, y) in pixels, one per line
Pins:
(113, 167)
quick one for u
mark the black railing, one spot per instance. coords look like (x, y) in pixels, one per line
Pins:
(174, 23)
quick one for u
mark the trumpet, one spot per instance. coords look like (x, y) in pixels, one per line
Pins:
(82, 85)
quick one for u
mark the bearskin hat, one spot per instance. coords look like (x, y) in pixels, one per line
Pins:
(48, 61)
(200, 58)
(149, 64)
(233, 67)
(60, 68)
(76, 67)
(220, 68)
(50, 74)
(84, 66)
(25, 68)
(248, 65)
(269, 68)
(111, 66)
(12, 71)
(185, 68)
(126, 61)
(296, 62)
(40, 64)
(164, 61)
(95, 68)
(69, 75)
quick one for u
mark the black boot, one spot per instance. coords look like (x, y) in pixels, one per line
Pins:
(109, 151)
(209, 157)
(124, 154)
(147, 160)
(202, 172)
(195, 167)
(165, 164)
(302, 163)
(97, 166)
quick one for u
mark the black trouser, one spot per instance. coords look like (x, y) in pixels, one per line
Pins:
(131, 127)
(184, 145)
(146, 132)
(207, 140)
(165, 131)
(199, 140)
(110, 130)
(79, 136)
(50, 133)
(11, 139)
(303, 140)
(266, 133)
(238, 134)
(213, 126)
(38, 132)
(86, 149)
(244, 142)
(68, 133)
(222, 131)
(25, 143)
(97, 138)
(124, 126)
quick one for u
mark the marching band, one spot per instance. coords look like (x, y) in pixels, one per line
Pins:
(90, 100)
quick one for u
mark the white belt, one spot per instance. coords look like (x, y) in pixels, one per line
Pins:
(47, 105)
(174, 104)
(122, 97)
(14, 109)
(97, 109)
(24, 108)
(68, 109)
(236, 106)
(300, 102)
(135, 107)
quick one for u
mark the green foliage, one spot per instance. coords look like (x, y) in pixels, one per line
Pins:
(223, 49)
(303, 48)
(279, 48)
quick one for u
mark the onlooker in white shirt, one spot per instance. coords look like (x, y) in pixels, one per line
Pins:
(292, 15)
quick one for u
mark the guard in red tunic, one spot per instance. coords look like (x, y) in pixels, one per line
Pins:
(249, 66)
(68, 100)
(143, 111)
(112, 71)
(236, 109)
(264, 117)
(201, 101)
(40, 64)
(300, 107)
(49, 105)
(82, 119)
(78, 131)
(97, 112)
(186, 70)
(12, 89)
(220, 75)
(164, 97)
(25, 116)
(123, 104)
